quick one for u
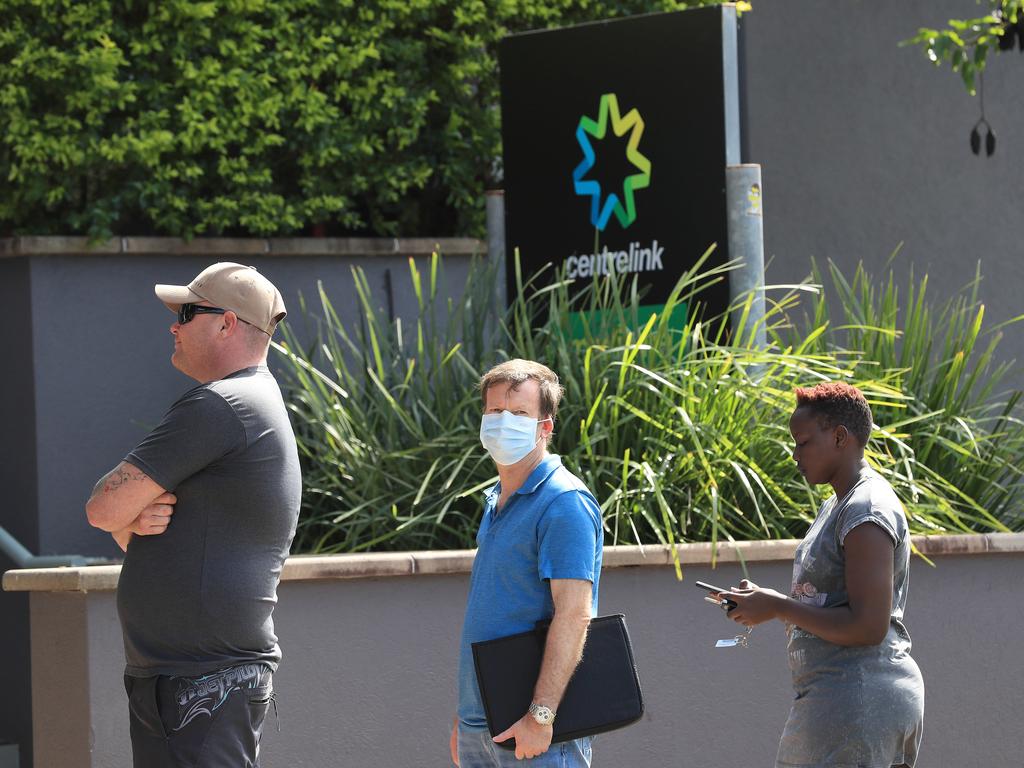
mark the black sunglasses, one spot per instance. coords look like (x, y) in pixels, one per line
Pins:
(187, 311)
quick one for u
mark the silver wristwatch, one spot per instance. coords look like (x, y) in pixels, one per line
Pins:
(543, 715)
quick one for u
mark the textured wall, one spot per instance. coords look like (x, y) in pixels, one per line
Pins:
(864, 145)
(368, 676)
(17, 512)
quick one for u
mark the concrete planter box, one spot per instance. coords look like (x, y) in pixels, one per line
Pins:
(370, 650)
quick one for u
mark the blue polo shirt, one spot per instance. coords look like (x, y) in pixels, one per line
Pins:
(549, 529)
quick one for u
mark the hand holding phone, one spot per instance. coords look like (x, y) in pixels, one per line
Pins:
(712, 588)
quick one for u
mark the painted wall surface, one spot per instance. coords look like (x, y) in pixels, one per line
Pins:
(864, 145)
(17, 513)
(368, 676)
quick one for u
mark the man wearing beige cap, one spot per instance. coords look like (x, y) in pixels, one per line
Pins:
(205, 508)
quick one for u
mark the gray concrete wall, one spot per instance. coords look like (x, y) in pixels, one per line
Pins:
(368, 676)
(18, 479)
(63, 657)
(17, 406)
(864, 145)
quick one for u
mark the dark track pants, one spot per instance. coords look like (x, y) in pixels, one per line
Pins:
(211, 721)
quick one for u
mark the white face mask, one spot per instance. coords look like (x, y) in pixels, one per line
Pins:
(508, 438)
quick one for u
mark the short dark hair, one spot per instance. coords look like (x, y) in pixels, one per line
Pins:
(837, 403)
(515, 372)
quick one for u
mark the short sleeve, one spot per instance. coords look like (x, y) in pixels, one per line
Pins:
(567, 534)
(200, 429)
(855, 515)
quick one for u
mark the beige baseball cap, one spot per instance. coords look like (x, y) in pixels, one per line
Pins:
(239, 288)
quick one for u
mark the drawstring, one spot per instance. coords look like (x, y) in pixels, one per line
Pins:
(277, 717)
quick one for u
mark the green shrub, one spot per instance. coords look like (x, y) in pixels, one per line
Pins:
(387, 431)
(959, 422)
(683, 436)
(257, 117)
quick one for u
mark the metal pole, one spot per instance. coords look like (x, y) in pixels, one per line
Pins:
(496, 247)
(743, 192)
(22, 558)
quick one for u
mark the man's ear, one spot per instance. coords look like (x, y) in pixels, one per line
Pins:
(230, 322)
(842, 436)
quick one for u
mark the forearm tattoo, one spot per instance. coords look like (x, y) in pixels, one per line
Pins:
(117, 477)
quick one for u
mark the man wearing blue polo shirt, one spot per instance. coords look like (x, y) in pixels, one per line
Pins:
(538, 557)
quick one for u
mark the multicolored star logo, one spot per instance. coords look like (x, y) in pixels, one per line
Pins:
(624, 209)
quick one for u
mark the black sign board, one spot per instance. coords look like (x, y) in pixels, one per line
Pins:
(616, 137)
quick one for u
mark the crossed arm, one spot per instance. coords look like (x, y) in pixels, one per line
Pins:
(126, 501)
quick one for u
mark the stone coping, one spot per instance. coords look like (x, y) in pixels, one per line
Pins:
(11, 247)
(103, 578)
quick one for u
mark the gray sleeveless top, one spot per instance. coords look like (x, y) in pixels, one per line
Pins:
(854, 706)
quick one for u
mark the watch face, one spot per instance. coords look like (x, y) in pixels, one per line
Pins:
(542, 715)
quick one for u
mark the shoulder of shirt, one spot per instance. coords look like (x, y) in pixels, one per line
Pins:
(878, 486)
(209, 392)
(211, 395)
(563, 480)
(877, 494)
(563, 485)
(236, 383)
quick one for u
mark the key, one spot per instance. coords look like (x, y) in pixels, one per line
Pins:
(740, 641)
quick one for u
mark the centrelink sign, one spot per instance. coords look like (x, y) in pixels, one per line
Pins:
(616, 137)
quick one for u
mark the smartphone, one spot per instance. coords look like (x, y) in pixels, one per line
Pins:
(708, 587)
(713, 588)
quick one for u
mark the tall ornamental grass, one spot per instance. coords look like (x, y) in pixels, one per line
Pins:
(962, 421)
(680, 432)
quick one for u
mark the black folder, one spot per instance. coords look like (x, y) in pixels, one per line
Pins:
(603, 694)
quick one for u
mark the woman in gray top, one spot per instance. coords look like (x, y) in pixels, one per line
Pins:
(859, 699)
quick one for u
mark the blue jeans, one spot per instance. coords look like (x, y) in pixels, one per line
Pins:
(476, 750)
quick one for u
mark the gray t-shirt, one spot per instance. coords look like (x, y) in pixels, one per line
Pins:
(854, 706)
(201, 595)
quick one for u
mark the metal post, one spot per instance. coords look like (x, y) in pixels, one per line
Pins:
(496, 247)
(9, 756)
(743, 194)
(22, 558)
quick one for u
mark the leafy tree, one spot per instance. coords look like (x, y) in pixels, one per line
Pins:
(965, 44)
(259, 117)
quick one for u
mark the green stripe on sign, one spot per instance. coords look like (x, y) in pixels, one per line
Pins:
(584, 325)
